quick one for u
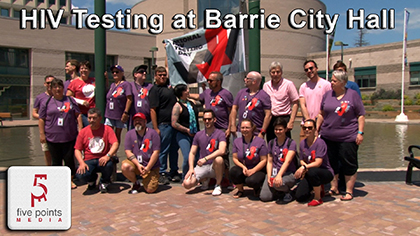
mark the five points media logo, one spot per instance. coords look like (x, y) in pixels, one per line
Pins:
(38, 198)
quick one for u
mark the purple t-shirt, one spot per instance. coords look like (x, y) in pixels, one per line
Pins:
(252, 107)
(40, 99)
(249, 154)
(66, 85)
(143, 147)
(208, 144)
(279, 153)
(141, 99)
(220, 102)
(341, 116)
(60, 119)
(116, 99)
(317, 150)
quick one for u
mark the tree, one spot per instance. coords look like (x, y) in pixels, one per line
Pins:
(360, 40)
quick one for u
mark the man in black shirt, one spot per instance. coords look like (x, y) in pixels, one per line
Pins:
(162, 99)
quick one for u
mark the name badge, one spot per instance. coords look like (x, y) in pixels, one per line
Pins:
(139, 103)
(140, 158)
(274, 172)
(111, 105)
(60, 121)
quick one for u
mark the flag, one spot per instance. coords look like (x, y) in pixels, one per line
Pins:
(193, 56)
(406, 17)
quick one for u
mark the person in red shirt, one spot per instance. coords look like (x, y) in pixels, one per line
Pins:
(99, 143)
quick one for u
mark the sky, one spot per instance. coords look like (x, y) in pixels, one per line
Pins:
(348, 36)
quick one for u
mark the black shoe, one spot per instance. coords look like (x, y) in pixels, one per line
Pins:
(91, 187)
(163, 179)
(176, 178)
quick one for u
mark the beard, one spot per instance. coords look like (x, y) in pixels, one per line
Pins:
(138, 127)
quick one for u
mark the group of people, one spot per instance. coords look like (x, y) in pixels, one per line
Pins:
(162, 119)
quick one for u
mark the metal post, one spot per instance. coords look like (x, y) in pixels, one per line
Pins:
(100, 60)
(254, 39)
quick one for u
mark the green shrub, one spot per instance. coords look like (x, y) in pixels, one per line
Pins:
(367, 103)
(387, 108)
(418, 102)
(406, 97)
(417, 96)
(408, 101)
(365, 97)
(383, 94)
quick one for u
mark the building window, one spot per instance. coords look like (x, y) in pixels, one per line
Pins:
(365, 77)
(63, 21)
(14, 57)
(51, 2)
(63, 3)
(16, 13)
(41, 1)
(415, 73)
(224, 6)
(110, 60)
(5, 12)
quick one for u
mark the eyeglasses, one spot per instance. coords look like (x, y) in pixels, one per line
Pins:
(307, 127)
(207, 119)
(210, 80)
(115, 72)
(249, 78)
(309, 69)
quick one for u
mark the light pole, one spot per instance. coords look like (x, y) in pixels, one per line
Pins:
(340, 43)
(153, 50)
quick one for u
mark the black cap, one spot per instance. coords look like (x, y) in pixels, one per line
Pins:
(140, 69)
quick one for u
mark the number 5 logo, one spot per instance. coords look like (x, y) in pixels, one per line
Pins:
(42, 196)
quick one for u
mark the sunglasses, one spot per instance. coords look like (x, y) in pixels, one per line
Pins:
(48, 82)
(115, 72)
(307, 128)
(160, 75)
(210, 80)
(207, 119)
(309, 69)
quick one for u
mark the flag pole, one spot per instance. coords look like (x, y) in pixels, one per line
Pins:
(402, 117)
(327, 45)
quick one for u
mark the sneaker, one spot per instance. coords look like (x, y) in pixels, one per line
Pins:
(176, 178)
(91, 186)
(231, 187)
(205, 184)
(135, 188)
(103, 187)
(287, 198)
(217, 190)
(163, 179)
(315, 202)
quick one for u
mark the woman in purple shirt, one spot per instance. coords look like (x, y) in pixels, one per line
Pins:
(315, 170)
(249, 153)
(58, 126)
(342, 117)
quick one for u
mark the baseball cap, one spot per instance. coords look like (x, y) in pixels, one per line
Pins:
(139, 115)
(118, 67)
(139, 69)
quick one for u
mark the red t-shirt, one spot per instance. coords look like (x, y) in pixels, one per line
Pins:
(95, 143)
(84, 90)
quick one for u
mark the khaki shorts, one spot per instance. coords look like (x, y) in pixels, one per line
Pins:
(150, 180)
(44, 147)
(204, 171)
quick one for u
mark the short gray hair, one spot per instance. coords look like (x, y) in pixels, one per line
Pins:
(341, 76)
(274, 65)
(95, 110)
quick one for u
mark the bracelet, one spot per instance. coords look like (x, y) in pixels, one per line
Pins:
(131, 158)
(205, 158)
(108, 155)
(360, 132)
(125, 112)
(304, 167)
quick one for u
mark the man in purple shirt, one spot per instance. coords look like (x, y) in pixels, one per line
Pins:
(212, 145)
(252, 103)
(142, 146)
(140, 91)
(42, 99)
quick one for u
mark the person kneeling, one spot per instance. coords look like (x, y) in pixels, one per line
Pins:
(212, 144)
(99, 144)
(142, 147)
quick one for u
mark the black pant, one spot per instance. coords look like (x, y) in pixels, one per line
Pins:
(270, 128)
(63, 151)
(313, 178)
(254, 181)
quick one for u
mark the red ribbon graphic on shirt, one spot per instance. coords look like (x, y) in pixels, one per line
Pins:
(66, 107)
(342, 109)
(216, 100)
(118, 92)
(143, 93)
(312, 157)
(283, 156)
(212, 145)
(145, 146)
(252, 152)
(253, 104)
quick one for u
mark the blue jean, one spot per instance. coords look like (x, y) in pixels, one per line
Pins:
(168, 145)
(184, 142)
(94, 167)
(85, 120)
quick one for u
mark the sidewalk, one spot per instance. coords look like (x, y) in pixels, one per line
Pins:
(391, 208)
